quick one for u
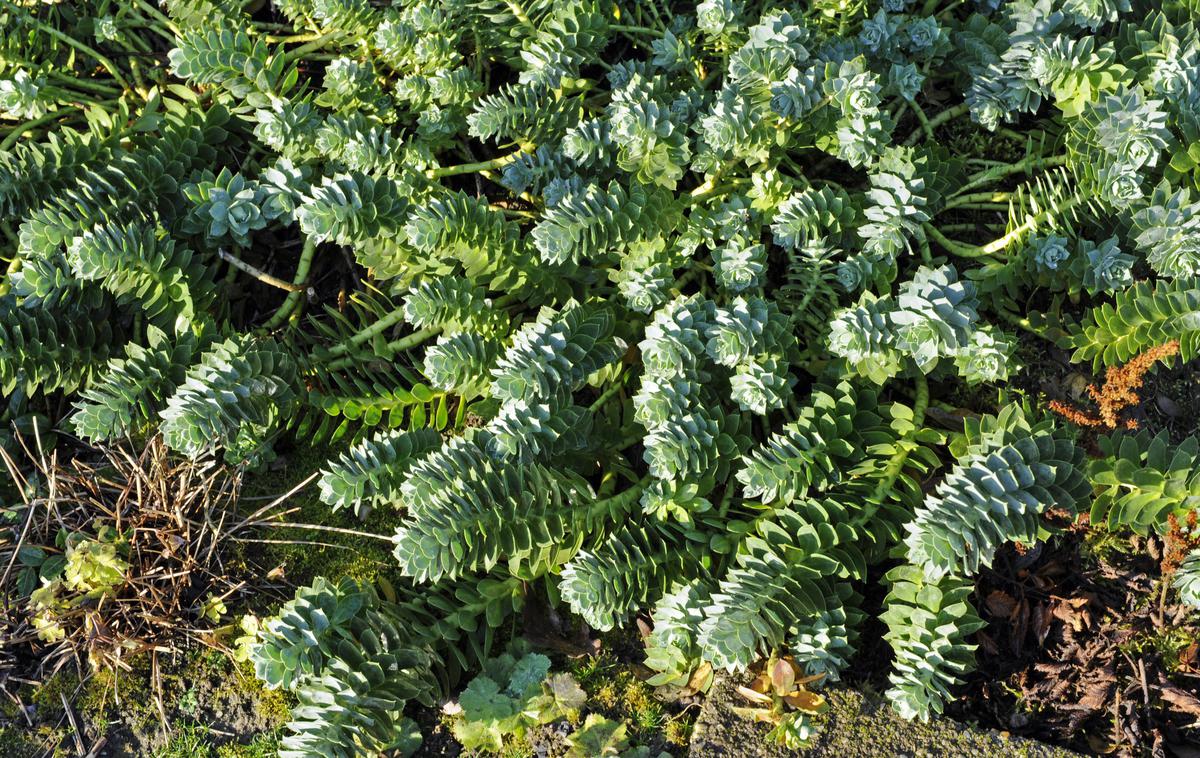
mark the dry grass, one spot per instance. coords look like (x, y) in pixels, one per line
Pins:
(177, 538)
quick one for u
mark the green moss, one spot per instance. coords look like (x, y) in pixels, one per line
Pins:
(190, 741)
(306, 553)
(517, 748)
(131, 688)
(1168, 643)
(1100, 545)
(616, 692)
(17, 743)
(274, 705)
(263, 746)
(49, 695)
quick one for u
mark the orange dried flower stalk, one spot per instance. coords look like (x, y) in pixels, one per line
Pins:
(1181, 539)
(1121, 384)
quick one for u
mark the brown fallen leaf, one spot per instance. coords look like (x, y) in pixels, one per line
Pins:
(1050, 667)
(1001, 604)
(1097, 691)
(1041, 624)
(1100, 745)
(1189, 659)
(986, 643)
(1020, 622)
(1181, 699)
(1072, 611)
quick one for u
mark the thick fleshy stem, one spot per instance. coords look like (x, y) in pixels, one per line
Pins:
(21, 129)
(13, 267)
(297, 53)
(608, 393)
(395, 346)
(618, 505)
(471, 168)
(258, 274)
(896, 463)
(947, 115)
(387, 322)
(295, 297)
(960, 249)
(1026, 165)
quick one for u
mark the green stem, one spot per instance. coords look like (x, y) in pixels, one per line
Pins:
(633, 29)
(945, 11)
(316, 44)
(292, 39)
(1053, 335)
(157, 15)
(367, 334)
(896, 463)
(519, 13)
(13, 267)
(605, 396)
(960, 249)
(108, 65)
(20, 129)
(971, 227)
(470, 168)
(921, 117)
(1026, 165)
(395, 346)
(295, 297)
(923, 243)
(978, 197)
(630, 441)
(1001, 207)
(619, 503)
(938, 120)
(1030, 224)
(84, 84)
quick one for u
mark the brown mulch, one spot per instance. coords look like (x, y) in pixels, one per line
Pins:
(1088, 650)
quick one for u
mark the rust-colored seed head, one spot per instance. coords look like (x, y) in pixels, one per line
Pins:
(1121, 384)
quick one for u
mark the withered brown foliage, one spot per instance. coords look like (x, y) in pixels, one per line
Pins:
(1121, 385)
(1097, 657)
(1181, 539)
(176, 520)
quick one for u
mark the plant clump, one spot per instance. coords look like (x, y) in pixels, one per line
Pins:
(598, 312)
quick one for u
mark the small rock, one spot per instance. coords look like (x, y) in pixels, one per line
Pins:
(1077, 384)
(1168, 406)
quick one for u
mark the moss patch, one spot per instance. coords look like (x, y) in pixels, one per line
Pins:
(305, 554)
(857, 725)
(615, 691)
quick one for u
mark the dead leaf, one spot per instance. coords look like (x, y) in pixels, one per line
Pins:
(1182, 700)
(986, 643)
(752, 696)
(1041, 624)
(803, 700)
(1100, 745)
(644, 629)
(783, 676)
(1096, 692)
(1189, 659)
(1072, 611)
(1020, 622)
(701, 679)
(1001, 604)
(1168, 406)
